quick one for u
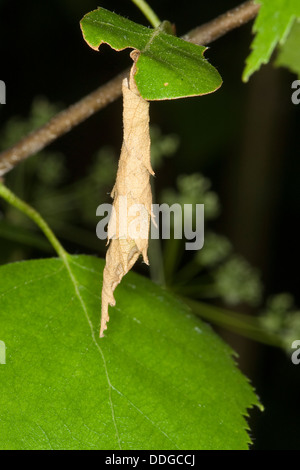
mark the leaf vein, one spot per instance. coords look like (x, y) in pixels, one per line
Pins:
(75, 283)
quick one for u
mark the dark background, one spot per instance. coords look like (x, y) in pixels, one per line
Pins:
(244, 138)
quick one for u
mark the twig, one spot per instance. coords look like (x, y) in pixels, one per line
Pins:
(12, 199)
(64, 121)
(221, 25)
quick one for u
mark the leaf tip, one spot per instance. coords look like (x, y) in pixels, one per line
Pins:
(245, 77)
(104, 321)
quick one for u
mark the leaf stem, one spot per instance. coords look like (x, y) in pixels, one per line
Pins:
(186, 274)
(12, 199)
(172, 257)
(148, 12)
(240, 324)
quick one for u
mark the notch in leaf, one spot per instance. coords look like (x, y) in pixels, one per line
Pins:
(167, 67)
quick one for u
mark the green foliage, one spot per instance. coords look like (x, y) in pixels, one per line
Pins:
(194, 189)
(160, 380)
(162, 146)
(289, 52)
(43, 181)
(215, 271)
(17, 127)
(236, 281)
(282, 318)
(216, 249)
(167, 67)
(272, 26)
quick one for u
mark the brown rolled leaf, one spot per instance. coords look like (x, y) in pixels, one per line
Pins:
(128, 228)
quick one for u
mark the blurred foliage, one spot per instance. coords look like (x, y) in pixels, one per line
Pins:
(282, 318)
(217, 272)
(17, 127)
(230, 276)
(43, 181)
(288, 55)
(237, 282)
(194, 189)
(214, 272)
(162, 146)
(271, 27)
(216, 249)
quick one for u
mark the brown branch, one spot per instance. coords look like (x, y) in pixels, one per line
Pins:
(61, 123)
(221, 25)
(64, 121)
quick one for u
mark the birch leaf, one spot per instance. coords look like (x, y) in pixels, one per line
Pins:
(175, 386)
(167, 66)
(272, 26)
(289, 53)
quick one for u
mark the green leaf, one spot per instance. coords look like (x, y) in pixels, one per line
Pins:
(272, 26)
(289, 53)
(160, 379)
(167, 67)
